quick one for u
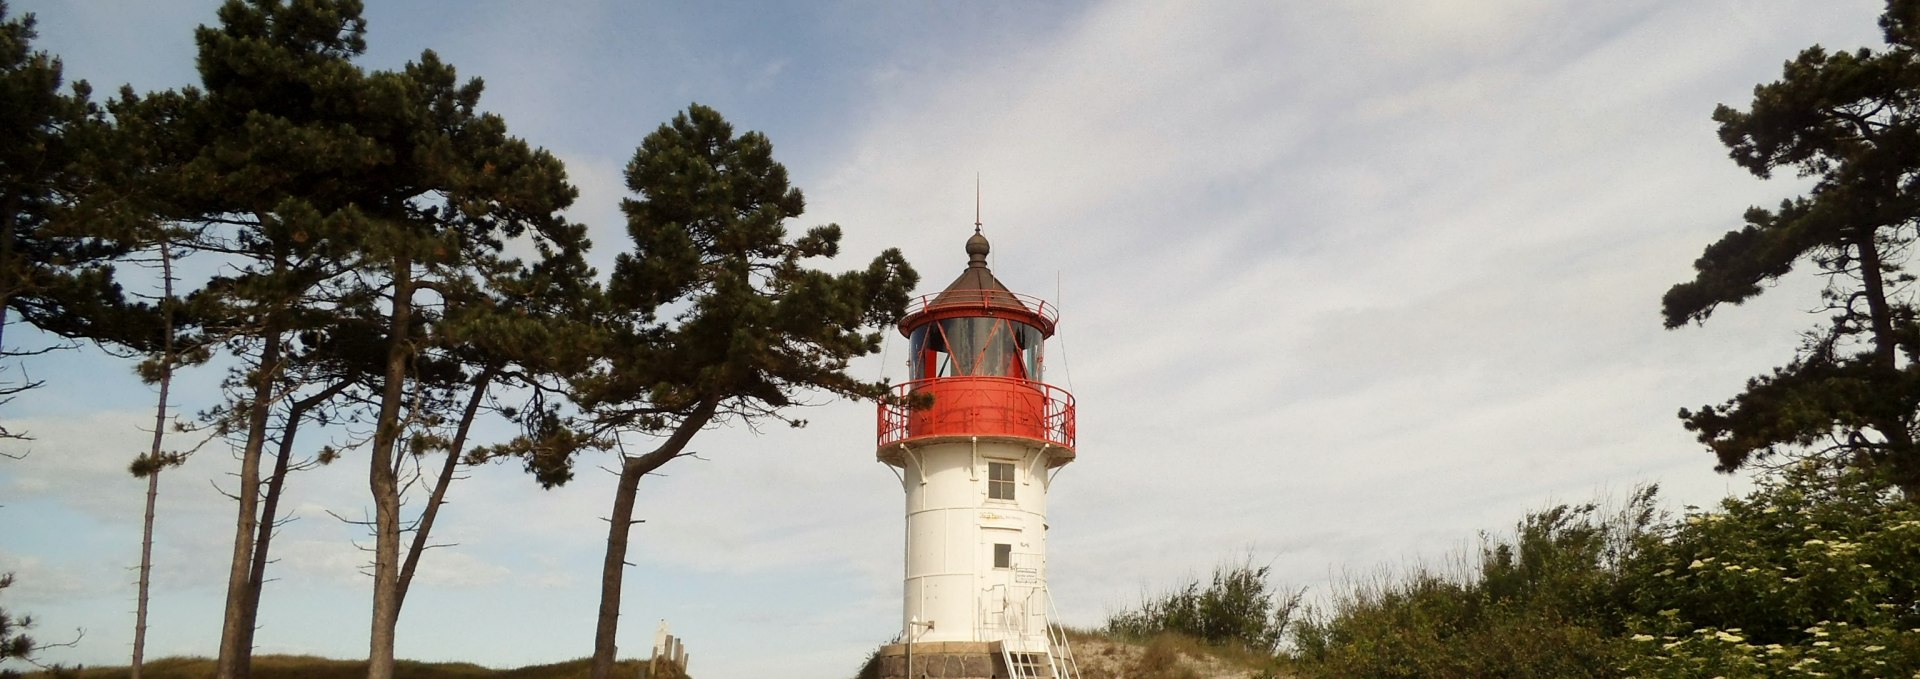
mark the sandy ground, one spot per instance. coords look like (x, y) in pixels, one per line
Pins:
(1100, 659)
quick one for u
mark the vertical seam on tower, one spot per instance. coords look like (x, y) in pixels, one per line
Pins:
(973, 470)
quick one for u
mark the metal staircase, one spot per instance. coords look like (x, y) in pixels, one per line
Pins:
(1065, 666)
(1027, 665)
(1016, 616)
(1054, 661)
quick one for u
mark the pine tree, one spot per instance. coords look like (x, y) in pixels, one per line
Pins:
(265, 165)
(715, 315)
(72, 187)
(159, 369)
(350, 210)
(458, 189)
(271, 168)
(1851, 122)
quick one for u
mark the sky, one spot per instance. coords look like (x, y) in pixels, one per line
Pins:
(1342, 285)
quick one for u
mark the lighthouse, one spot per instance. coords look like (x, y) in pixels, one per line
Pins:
(975, 436)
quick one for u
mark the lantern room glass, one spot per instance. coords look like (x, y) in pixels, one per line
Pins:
(982, 346)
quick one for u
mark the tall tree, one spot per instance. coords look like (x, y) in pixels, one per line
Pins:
(171, 343)
(458, 189)
(349, 211)
(715, 316)
(159, 369)
(269, 166)
(73, 202)
(315, 402)
(1850, 121)
(276, 164)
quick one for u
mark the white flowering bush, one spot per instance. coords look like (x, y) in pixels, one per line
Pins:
(1815, 574)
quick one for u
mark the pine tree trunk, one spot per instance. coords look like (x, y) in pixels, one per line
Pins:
(382, 479)
(620, 523)
(146, 571)
(1879, 312)
(154, 457)
(269, 510)
(8, 285)
(263, 539)
(259, 413)
(1903, 457)
(248, 494)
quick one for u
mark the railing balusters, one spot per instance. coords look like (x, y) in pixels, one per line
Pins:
(1006, 397)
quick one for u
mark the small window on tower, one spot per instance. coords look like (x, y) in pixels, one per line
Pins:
(1002, 556)
(999, 480)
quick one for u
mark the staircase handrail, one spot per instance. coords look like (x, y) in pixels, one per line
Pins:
(1058, 636)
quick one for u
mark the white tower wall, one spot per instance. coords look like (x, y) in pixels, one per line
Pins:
(955, 579)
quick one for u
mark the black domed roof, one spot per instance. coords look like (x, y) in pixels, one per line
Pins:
(976, 292)
(977, 285)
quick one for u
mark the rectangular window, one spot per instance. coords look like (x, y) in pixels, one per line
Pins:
(999, 480)
(1002, 556)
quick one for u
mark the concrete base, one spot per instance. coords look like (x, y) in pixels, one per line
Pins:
(943, 660)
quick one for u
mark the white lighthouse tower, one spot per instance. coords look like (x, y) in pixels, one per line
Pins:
(974, 438)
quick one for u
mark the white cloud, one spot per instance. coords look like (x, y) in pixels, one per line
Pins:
(457, 569)
(333, 561)
(35, 583)
(1387, 276)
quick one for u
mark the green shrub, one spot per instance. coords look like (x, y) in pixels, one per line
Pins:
(1239, 608)
(1544, 603)
(1816, 573)
(870, 668)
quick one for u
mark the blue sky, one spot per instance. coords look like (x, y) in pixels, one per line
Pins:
(1341, 285)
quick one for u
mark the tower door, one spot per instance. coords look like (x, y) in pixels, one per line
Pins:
(1011, 603)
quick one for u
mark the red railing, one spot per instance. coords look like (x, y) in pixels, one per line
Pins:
(978, 406)
(983, 300)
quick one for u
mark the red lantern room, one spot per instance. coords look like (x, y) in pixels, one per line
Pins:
(976, 350)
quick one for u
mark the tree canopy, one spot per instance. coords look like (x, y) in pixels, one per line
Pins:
(360, 222)
(715, 314)
(1850, 121)
(61, 225)
(370, 248)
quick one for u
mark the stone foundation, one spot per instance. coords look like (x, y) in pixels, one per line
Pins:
(942, 660)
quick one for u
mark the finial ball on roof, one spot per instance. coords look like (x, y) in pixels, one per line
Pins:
(977, 250)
